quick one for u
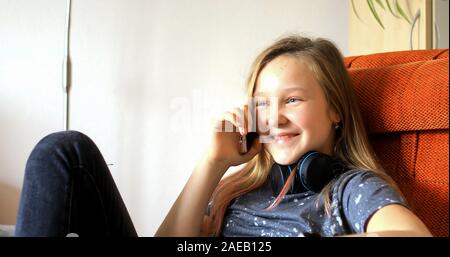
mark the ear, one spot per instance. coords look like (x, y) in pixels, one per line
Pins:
(334, 115)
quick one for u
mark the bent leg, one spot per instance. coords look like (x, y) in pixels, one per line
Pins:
(68, 188)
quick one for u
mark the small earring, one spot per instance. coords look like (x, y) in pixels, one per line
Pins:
(336, 127)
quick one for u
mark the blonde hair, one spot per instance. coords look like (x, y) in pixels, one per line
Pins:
(351, 143)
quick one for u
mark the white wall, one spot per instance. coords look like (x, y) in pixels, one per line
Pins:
(139, 67)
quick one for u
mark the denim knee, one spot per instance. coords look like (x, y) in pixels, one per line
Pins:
(68, 138)
(73, 143)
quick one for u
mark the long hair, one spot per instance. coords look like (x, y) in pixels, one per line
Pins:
(351, 144)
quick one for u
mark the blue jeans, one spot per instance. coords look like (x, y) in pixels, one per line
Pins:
(68, 188)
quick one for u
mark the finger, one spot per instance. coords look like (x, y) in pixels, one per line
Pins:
(246, 118)
(240, 118)
(230, 117)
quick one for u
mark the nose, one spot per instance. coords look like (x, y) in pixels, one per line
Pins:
(277, 118)
(273, 118)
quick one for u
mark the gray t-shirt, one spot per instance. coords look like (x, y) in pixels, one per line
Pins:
(355, 196)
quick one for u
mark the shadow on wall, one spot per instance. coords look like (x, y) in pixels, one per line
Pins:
(9, 203)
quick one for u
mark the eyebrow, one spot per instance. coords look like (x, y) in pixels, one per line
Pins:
(284, 90)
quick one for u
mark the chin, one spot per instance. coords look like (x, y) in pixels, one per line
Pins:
(285, 159)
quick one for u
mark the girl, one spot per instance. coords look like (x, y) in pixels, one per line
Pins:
(310, 171)
(305, 99)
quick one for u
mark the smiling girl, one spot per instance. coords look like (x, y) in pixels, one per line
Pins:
(310, 171)
(305, 99)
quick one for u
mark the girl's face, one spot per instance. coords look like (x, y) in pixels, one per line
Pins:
(303, 120)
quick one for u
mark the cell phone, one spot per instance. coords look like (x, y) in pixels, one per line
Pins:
(246, 142)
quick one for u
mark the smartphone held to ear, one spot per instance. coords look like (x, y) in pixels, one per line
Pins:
(246, 142)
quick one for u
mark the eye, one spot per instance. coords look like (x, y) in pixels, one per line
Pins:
(292, 100)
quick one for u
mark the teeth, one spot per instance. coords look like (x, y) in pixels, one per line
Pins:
(281, 139)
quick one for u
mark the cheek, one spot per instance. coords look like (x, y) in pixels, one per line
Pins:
(306, 119)
(312, 123)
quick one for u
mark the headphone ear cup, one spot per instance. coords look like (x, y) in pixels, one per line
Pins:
(277, 179)
(313, 172)
(317, 170)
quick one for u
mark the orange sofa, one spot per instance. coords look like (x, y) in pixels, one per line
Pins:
(404, 101)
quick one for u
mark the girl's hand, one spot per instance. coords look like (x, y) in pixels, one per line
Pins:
(224, 147)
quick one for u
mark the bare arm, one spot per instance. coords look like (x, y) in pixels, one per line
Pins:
(395, 220)
(186, 215)
(185, 218)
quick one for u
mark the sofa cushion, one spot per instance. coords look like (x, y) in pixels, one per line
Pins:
(394, 58)
(403, 97)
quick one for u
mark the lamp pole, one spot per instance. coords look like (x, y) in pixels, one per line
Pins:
(66, 70)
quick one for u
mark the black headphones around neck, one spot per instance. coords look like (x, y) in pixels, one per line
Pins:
(313, 171)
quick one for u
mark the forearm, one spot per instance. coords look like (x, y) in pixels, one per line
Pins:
(393, 233)
(186, 215)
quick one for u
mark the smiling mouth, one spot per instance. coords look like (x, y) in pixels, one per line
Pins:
(283, 139)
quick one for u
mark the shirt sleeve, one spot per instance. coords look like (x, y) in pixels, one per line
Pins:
(363, 193)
